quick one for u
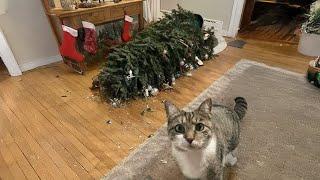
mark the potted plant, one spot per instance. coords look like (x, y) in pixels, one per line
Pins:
(310, 45)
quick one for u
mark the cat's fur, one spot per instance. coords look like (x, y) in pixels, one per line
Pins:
(210, 136)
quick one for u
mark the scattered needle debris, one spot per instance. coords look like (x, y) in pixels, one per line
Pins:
(147, 109)
(150, 135)
(109, 122)
(163, 161)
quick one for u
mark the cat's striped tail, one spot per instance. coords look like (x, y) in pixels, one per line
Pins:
(241, 107)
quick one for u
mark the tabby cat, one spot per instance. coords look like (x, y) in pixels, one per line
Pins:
(204, 141)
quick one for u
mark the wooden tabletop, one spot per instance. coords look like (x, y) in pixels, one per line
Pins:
(66, 13)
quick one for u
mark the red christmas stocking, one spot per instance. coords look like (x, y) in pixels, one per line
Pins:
(90, 40)
(68, 46)
(126, 30)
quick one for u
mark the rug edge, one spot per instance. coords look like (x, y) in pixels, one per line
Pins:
(246, 61)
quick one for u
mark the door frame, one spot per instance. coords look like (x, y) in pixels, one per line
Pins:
(8, 57)
(236, 16)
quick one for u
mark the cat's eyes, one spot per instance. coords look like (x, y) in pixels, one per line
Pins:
(179, 128)
(199, 127)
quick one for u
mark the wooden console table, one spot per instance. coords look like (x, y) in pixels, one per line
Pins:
(103, 13)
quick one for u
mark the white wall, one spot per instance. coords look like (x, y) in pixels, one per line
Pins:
(210, 9)
(29, 34)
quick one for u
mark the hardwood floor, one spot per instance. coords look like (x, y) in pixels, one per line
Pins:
(281, 33)
(52, 127)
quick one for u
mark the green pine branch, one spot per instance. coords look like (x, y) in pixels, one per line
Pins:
(177, 34)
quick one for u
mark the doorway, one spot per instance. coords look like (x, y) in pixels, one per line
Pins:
(3, 69)
(7, 57)
(274, 20)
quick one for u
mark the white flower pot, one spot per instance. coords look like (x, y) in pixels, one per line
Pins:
(309, 44)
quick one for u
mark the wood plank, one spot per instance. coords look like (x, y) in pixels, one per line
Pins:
(30, 147)
(7, 155)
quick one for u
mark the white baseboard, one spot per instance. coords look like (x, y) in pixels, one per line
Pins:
(39, 62)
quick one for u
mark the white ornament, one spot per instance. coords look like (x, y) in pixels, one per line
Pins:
(173, 80)
(199, 62)
(206, 36)
(149, 88)
(146, 93)
(130, 76)
(115, 102)
(206, 56)
(182, 63)
(165, 51)
(189, 74)
(154, 91)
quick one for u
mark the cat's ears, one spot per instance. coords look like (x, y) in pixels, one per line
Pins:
(171, 109)
(206, 106)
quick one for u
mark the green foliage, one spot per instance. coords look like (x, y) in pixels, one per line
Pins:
(109, 33)
(313, 23)
(154, 56)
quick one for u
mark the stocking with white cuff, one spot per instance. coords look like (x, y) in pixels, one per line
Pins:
(68, 46)
(90, 40)
(126, 30)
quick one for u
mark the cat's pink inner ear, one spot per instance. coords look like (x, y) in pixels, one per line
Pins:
(206, 106)
(171, 109)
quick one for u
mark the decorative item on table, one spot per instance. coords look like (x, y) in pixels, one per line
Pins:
(88, 4)
(68, 4)
(309, 44)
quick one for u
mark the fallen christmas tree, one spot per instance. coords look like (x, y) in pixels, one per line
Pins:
(156, 56)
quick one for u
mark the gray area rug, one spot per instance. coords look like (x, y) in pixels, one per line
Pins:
(280, 137)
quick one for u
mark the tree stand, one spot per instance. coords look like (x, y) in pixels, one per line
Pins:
(313, 73)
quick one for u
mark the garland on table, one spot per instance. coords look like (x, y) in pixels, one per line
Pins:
(155, 57)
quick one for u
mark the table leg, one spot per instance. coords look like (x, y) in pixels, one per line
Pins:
(141, 19)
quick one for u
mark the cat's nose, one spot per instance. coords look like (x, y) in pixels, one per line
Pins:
(189, 140)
